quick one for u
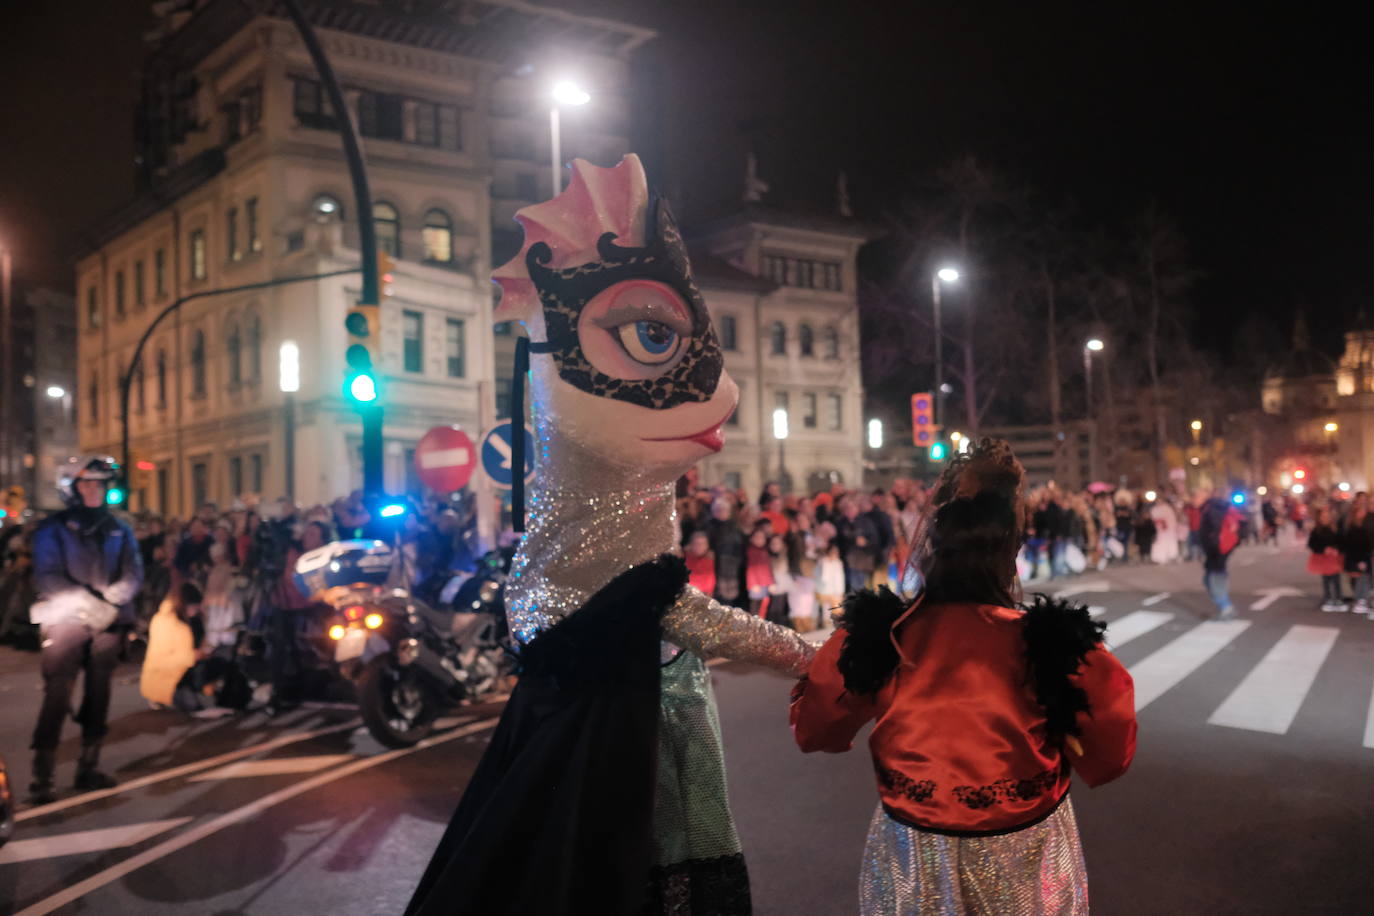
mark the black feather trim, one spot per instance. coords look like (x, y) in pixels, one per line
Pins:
(1058, 635)
(868, 656)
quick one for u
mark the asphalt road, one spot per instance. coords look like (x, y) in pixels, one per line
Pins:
(1251, 792)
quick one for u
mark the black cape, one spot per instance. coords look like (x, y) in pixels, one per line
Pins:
(558, 818)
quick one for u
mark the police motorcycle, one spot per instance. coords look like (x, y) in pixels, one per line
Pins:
(6, 804)
(408, 660)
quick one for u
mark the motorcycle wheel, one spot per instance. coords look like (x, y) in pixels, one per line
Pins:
(397, 709)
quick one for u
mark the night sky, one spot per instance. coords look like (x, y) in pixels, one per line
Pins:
(1251, 128)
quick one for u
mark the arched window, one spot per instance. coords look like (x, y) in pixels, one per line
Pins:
(778, 334)
(254, 349)
(93, 398)
(832, 343)
(198, 364)
(438, 237)
(161, 378)
(326, 208)
(233, 345)
(388, 223)
(806, 339)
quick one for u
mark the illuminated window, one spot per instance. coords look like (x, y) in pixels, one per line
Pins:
(388, 224)
(438, 237)
(197, 254)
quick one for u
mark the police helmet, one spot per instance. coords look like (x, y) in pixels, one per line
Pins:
(92, 467)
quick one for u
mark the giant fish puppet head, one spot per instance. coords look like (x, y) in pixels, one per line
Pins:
(627, 376)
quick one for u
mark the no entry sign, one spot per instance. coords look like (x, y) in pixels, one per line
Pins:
(445, 459)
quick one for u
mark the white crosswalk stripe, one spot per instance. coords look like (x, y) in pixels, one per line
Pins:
(1134, 625)
(273, 766)
(1269, 697)
(85, 841)
(1162, 670)
(1369, 724)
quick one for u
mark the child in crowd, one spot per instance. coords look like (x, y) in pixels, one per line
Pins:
(1324, 559)
(701, 563)
(758, 570)
(830, 579)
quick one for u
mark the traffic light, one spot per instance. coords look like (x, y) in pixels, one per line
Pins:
(117, 493)
(1300, 474)
(923, 429)
(938, 451)
(364, 325)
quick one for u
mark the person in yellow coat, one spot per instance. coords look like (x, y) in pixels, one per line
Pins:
(172, 644)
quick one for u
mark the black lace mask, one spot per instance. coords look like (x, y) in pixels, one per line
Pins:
(694, 361)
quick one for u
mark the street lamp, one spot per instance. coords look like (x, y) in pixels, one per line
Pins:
(569, 94)
(875, 433)
(780, 433)
(1093, 345)
(289, 381)
(56, 392)
(1331, 427)
(945, 274)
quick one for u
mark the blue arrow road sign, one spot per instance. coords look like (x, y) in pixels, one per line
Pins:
(496, 459)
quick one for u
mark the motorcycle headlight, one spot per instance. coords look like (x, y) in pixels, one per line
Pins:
(372, 621)
(336, 632)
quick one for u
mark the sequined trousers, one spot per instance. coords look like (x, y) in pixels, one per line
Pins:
(1035, 871)
(698, 863)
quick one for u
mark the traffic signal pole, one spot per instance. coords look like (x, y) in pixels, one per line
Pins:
(370, 413)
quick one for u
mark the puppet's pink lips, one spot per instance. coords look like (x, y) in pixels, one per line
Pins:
(712, 438)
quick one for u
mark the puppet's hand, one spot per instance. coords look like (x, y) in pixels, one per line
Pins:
(708, 628)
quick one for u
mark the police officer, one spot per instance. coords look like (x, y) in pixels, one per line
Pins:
(87, 570)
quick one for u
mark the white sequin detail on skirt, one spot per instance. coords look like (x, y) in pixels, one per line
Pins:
(1033, 872)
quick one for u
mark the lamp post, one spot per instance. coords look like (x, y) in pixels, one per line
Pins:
(1093, 345)
(289, 381)
(780, 433)
(572, 95)
(943, 275)
(875, 434)
(6, 366)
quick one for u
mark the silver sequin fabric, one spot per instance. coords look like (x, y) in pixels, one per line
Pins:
(1037, 871)
(577, 541)
(706, 627)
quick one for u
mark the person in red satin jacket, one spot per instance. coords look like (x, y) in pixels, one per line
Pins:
(982, 712)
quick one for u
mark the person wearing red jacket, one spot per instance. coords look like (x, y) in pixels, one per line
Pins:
(982, 712)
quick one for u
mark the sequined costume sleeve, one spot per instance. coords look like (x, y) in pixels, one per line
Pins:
(708, 628)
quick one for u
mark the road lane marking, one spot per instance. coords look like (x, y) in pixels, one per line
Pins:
(1083, 588)
(274, 766)
(1155, 599)
(1160, 671)
(1270, 595)
(85, 841)
(1369, 724)
(1134, 625)
(1271, 694)
(174, 772)
(238, 815)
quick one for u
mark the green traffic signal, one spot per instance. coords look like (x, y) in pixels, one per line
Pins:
(114, 496)
(362, 388)
(938, 450)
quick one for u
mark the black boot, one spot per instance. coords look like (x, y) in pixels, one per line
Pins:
(41, 790)
(88, 777)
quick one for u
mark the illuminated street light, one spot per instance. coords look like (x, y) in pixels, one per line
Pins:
(1195, 461)
(780, 433)
(565, 93)
(1331, 427)
(1263, 491)
(1195, 426)
(56, 391)
(289, 366)
(1344, 486)
(875, 433)
(1095, 345)
(947, 274)
(1151, 496)
(1298, 489)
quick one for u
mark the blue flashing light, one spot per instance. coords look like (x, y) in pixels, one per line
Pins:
(1238, 498)
(391, 510)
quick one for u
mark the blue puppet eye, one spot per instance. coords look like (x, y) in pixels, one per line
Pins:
(649, 342)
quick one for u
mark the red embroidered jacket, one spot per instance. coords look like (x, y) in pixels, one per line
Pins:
(960, 743)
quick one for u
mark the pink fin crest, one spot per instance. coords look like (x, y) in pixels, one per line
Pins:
(596, 201)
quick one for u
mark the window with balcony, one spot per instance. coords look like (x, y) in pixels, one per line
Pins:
(455, 347)
(777, 334)
(387, 221)
(438, 237)
(311, 105)
(413, 343)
